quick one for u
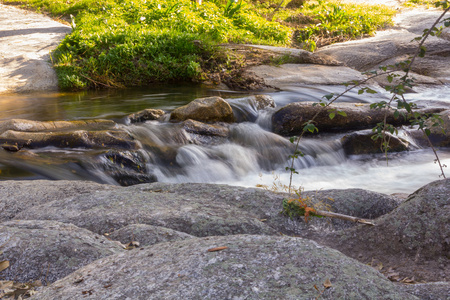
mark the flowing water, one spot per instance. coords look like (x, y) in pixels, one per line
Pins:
(251, 156)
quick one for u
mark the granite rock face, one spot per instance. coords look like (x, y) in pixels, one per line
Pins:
(49, 250)
(250, 267)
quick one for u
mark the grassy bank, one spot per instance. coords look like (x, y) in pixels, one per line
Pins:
(135, 43)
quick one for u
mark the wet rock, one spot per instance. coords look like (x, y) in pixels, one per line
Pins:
(49, 250)
(126, 167)
(247, 109)
(262, 101)
(146, 115)
(36, 126)
(17, 196)
(73, 139)
(205, 134)
(147, 235)
(200, 128)
(440, 135)
(208, 110)
(361, 142)
(416, 234)
(290, 119)
(250, 267)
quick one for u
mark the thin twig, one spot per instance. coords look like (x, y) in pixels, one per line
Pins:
(96, 82)
(344, 217)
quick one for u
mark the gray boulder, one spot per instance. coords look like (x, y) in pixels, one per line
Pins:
(250, 267)
(153, 204)
(428, 291)
(417, 233)
(204, 209)
(208, 110)
(147, 235)
(49, 250)
(16, 196)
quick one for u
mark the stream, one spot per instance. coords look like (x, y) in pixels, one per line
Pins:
(251, 156)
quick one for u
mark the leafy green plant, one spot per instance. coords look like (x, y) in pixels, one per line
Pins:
(232, 7)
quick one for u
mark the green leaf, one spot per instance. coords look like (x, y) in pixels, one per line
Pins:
(332, 115)
(342, 113)
(422, 51)
(329, 96)
(396, 114)
(427, 131)
(310, 127)
(370, 91)
(361, 91)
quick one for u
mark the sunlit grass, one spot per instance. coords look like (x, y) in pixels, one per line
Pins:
(118, 43)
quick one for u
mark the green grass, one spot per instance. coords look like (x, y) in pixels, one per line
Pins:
(118, 43)
(319, 23)
(427, 3)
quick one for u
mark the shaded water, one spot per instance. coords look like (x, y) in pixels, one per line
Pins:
(252, 155)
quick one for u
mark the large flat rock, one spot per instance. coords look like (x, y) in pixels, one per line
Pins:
(302, 74)
(251, 267)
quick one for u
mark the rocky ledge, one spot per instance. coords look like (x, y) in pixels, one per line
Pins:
(204, 241)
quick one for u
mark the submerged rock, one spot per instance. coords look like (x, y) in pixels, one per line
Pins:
(211, 109)
(228, 267)
(49, 250)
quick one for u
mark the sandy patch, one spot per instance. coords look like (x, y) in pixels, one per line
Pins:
(26, 39)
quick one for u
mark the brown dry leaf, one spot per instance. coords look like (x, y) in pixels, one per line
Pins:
(408, 280)
(217, 249)
(393, 276)
(327, 284)
(6, 284)
(379, 267)
(4, 264)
